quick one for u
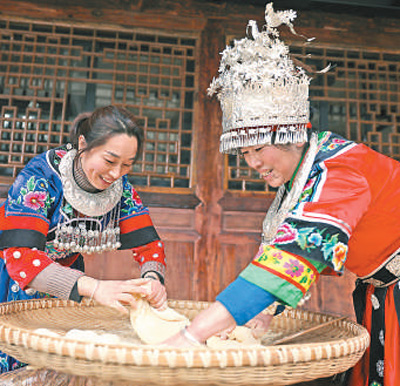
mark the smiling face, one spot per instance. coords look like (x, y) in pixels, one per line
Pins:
(106, 163)
(276, 165)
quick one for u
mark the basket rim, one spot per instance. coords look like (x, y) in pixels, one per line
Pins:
(164, 356)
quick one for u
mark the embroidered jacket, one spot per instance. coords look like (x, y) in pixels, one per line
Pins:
(35, 206)
(347, 216)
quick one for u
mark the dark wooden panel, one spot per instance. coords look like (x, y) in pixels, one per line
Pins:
(93, 12)
(242, 222)
(233, 259)
(177, 228)
(121, 265)
(118, 265)
(209, 165)
(180, 273)
(333, 295)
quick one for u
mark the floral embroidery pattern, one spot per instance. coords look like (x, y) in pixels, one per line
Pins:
(59, 154)
(3, 362)
(334, 143)
(35, 195)
(307, 190)
(54, 253)
(339, 255)
(294, 269)
(299, 272)
(285, 234)
(35, 200)
(8, 363)
(312, 238)
(68, 209)
(132, 200)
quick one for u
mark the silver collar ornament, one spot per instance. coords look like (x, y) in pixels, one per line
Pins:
(96, 227)
(280, 208)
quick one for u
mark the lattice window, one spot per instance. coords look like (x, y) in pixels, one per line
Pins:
(50, 73)
(359, 99)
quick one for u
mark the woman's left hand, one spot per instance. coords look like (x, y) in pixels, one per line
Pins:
(259, 324)
(214, 319)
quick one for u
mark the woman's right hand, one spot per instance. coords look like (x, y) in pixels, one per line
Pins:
(114, 293)
(157, 296)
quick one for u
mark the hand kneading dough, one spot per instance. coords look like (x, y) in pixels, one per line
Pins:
(244, 335)
(241, 336)
(154, 326)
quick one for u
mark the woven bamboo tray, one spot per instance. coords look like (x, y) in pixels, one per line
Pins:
(327, 351)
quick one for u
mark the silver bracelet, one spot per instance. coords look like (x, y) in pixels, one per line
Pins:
(95, 289)
(190, 337)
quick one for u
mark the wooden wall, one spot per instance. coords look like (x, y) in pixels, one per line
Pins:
(210, 232)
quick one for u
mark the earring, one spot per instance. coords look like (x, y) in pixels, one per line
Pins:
(81, 142)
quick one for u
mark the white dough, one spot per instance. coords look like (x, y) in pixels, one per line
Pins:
(244, 335)
(47, 332)
(241, 336)
(92, 336)
(154, 326)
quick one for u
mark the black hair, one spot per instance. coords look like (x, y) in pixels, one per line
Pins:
(99, 126)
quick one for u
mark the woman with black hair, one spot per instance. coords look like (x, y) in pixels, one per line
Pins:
(337, 205)
(76, 201)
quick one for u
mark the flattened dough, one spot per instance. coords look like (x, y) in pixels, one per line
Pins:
(155, 326)
(93, 336)
(241, 336)
(89, 336)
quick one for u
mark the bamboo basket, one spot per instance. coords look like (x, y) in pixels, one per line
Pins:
(327, 351)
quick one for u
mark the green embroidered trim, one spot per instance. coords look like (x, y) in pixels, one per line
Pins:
(284, 290)
(297, 169)
(273, 284)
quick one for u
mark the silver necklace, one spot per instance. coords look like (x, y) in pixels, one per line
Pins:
(99, 230)
(80, 177)
(278, 211)
(87, 203)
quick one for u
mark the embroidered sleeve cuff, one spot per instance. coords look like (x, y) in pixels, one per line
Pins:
(153, 275)
(283, 274)
(151, 257)
(56, 280)
(23, 264)
(244, 300)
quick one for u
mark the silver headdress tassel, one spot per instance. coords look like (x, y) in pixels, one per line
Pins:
(263, 95)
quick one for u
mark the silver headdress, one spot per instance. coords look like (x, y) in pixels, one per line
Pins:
(263, 95)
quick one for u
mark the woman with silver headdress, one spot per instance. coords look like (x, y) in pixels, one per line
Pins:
(76, 201)
(337, 205)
